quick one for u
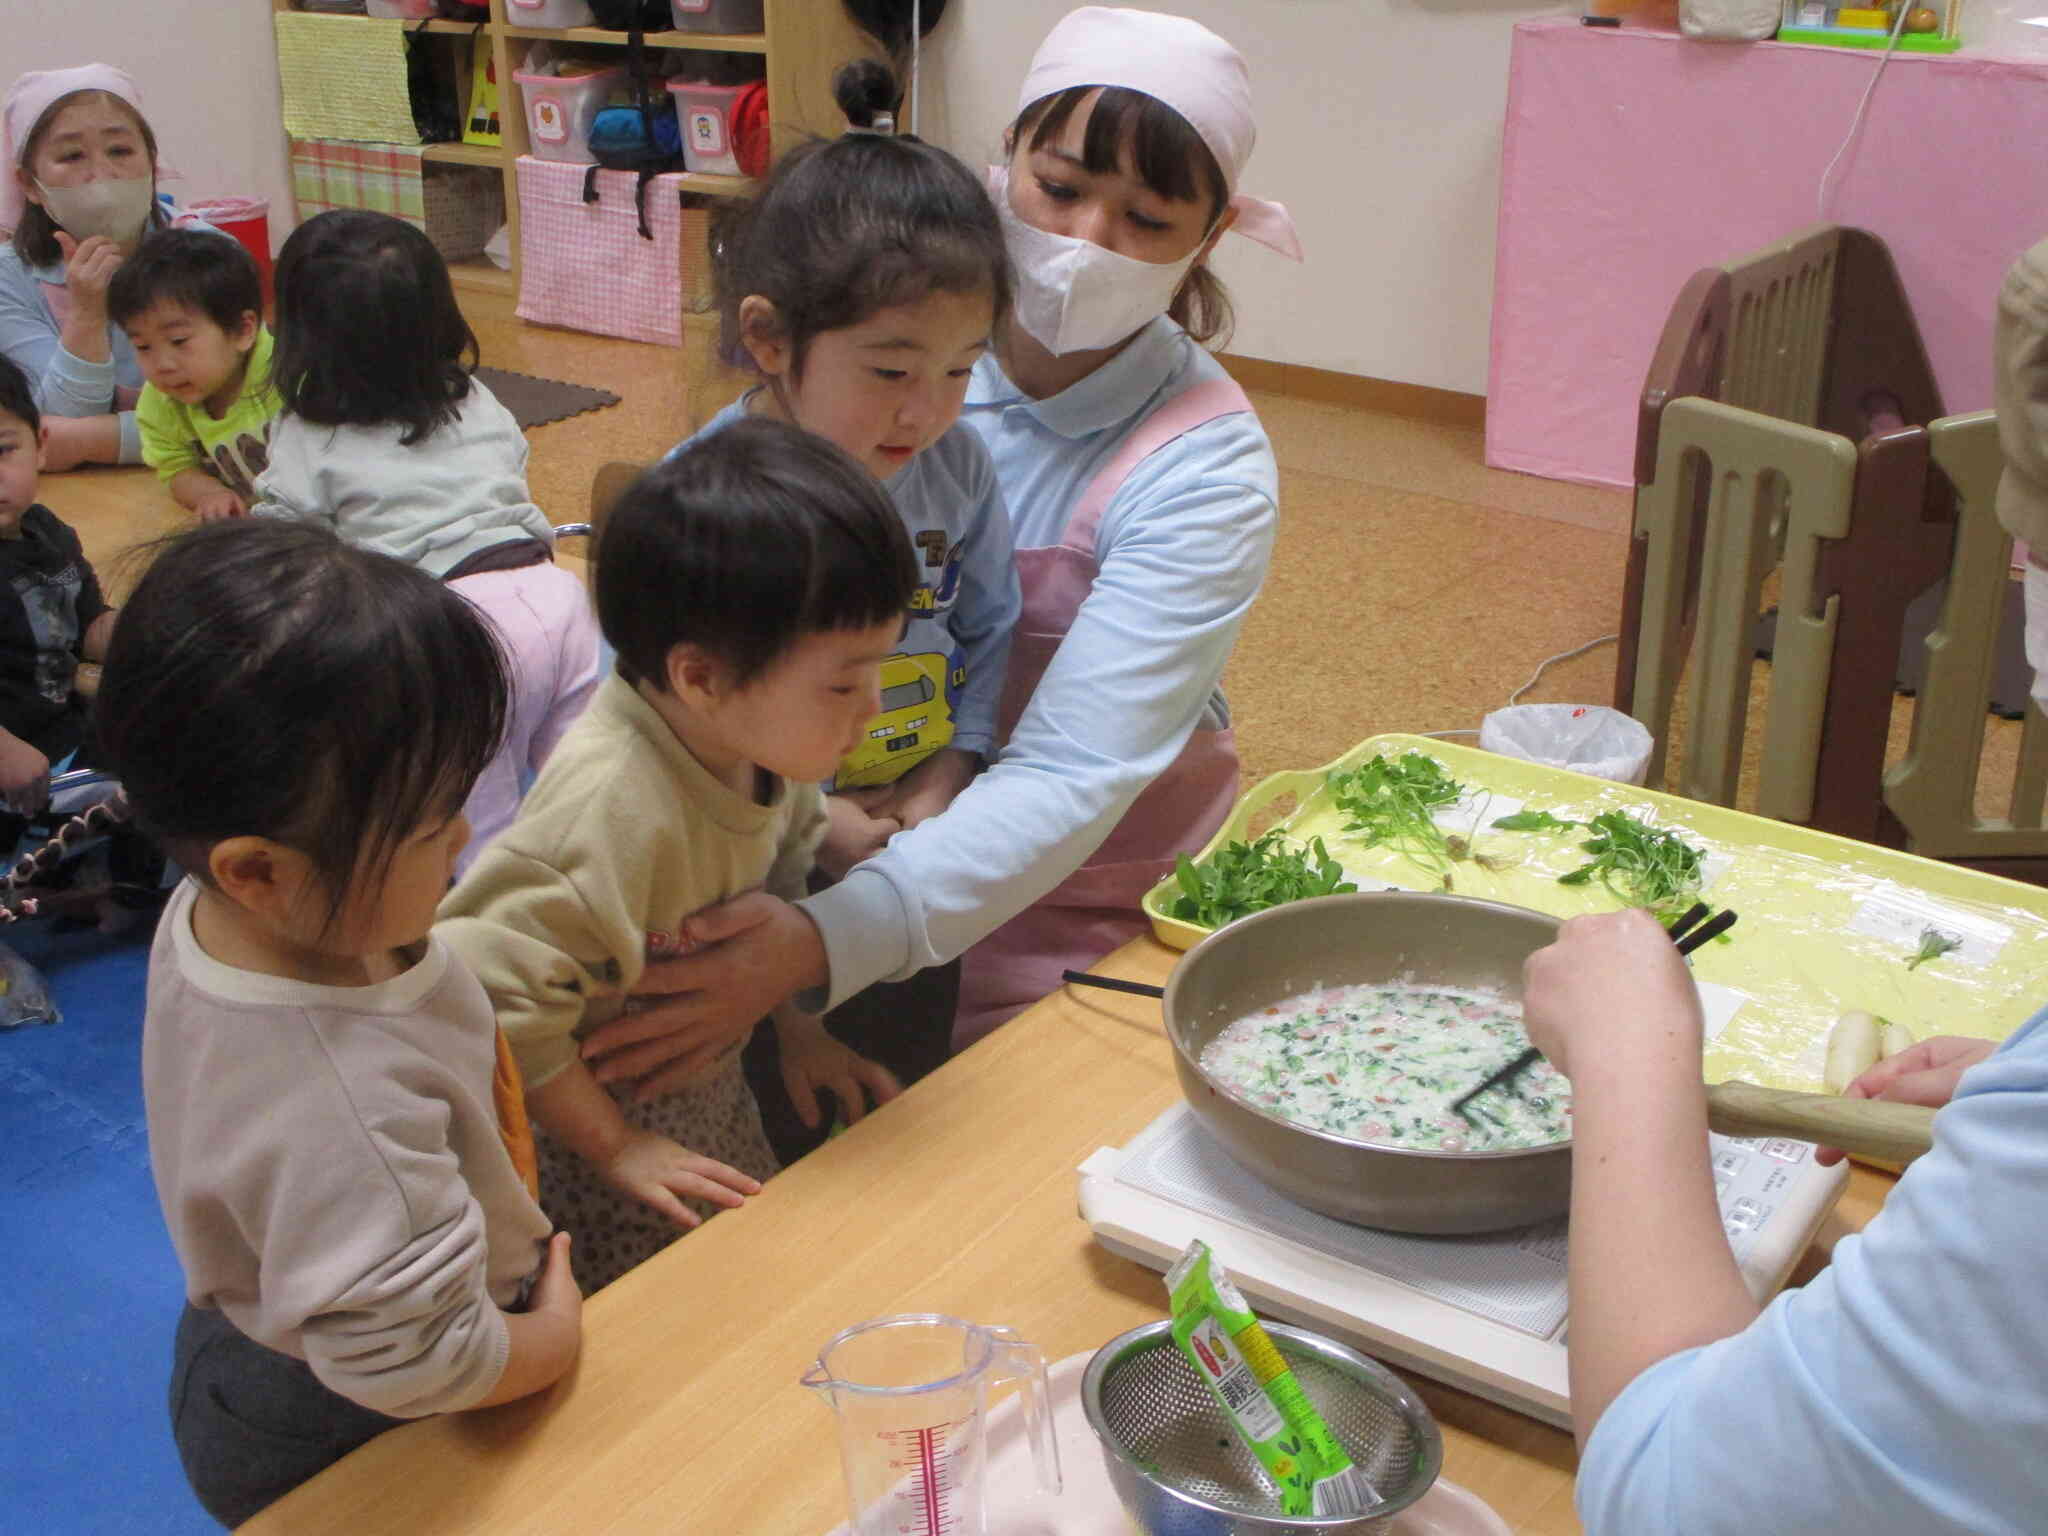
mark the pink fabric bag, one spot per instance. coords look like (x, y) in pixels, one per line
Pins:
(585, 265)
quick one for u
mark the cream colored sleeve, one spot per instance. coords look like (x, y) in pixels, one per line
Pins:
(789, 876)
(543, 945)
(2020, 393)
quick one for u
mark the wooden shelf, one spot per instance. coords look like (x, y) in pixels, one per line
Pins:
(711, 42)
(490, 156)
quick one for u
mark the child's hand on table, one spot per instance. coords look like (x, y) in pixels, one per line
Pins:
(1614, 990)
(656, 1172)
(813, 1059)
(216, 505)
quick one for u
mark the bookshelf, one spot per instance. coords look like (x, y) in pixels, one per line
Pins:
(801, 43)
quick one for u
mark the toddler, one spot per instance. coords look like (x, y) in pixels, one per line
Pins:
(191, 305)
(752, 586)
(860, 285)
(388, 440)
(334, 1125)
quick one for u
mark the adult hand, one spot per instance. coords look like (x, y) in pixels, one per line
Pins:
(929, 788)
(1613, 988)
(854, 831)
(89, 265)
(747, 955)
(24, 776)
(1924, 1073)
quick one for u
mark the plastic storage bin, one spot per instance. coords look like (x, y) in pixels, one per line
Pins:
(560, 109)
(716, 15)
(399, 10)
(704, 112)
(548, 13)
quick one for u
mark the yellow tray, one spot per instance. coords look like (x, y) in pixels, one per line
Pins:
(1827, 923)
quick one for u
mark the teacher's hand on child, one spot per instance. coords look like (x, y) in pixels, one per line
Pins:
(856, 829)
(747, 955)
(657, 1172)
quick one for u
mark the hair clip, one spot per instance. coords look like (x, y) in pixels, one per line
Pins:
(883, 126)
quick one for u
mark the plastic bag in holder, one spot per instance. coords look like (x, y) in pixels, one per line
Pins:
(1586, 738)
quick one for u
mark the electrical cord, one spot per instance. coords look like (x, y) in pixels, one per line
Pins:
(1536, 677)
(1863, 106)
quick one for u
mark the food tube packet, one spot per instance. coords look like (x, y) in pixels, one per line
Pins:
(1236, 1359)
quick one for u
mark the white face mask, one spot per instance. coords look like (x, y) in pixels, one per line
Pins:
(113, 206)
(1074, 295)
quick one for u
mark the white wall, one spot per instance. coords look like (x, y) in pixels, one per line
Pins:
(208, 74)
(1379, 127)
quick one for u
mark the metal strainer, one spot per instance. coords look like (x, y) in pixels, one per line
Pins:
(1181, 1470)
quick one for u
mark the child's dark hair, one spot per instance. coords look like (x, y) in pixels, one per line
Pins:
(1167, 155)
(17, 395)
(368, 330)
(742, 544)
(848, 226)
(35, 235)
(268, 680)
(207, 272)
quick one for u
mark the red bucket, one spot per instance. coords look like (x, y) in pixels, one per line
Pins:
(248, 220)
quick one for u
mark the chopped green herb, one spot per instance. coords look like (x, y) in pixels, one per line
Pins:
(1535, 821)
(1392, 803)
(1643, 866)
(1239, 879)
(1933, 945)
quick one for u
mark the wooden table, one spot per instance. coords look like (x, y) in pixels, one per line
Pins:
(684, 1414)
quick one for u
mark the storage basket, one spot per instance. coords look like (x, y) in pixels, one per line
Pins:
(716, 15)
(584, 264)
(704, 112)
(400, 10)
(459, 206)
(548, 13)
(560, 110)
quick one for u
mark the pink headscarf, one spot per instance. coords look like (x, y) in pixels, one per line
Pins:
(33, 94)
(1181, 63)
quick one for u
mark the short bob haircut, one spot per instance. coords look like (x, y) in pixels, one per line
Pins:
(742, 543)
(368, 330)
(847, 227)
(208, 273)
(35, 237)
(18, 396)
(268, 680)
(1166, 154)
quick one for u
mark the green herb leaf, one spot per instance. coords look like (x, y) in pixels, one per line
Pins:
(1239, 879)
(1933, 945)
(1534, 821)
(1641, 865)
(1392, 803)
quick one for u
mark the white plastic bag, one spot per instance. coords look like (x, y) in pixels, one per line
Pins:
(1729, 21)
(1586, 738)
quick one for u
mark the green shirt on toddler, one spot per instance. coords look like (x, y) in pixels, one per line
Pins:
(232, 448)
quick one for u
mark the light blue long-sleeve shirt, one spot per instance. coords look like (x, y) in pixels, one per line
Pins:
(967, 598)
(1183, 550)
(1903, 1392)
(65, 385)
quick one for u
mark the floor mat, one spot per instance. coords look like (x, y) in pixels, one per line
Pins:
(535, 402)
(94, 1288)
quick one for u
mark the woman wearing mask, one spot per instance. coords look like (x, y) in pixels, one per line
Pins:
(78, 193)
(1142, 491)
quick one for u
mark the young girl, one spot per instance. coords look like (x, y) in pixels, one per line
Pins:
(861, 285)
(752, 587)
(388, 440)
(335, 1135)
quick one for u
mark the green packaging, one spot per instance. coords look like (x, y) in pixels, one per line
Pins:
(1252, 1383)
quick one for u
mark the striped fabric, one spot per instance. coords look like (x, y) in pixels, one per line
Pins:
(341, 173)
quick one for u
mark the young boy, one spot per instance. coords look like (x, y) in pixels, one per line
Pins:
(191, 304)
(52, 616)
(752, 587)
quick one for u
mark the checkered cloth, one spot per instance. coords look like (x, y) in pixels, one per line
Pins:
(585, 266)
(460, 207)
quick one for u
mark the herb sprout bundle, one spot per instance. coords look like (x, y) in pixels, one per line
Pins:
(1392, 803)
(1239, 879)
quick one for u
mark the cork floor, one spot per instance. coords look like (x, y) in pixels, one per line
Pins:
(1412, 588)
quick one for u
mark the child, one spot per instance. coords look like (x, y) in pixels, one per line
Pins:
(861, 285)
(752, 587)
(388, 440)
(1898, 1392)
(191, 305)
(2019, 360)
(299, 721)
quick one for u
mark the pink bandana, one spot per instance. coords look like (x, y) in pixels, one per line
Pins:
(1181, 63)
(33, 94)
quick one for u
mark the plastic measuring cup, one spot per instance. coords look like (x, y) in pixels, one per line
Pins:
(911, 1396)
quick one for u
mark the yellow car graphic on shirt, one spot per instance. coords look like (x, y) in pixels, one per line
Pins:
(916, 720)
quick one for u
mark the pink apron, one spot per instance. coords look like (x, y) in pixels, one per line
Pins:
(1095, 909)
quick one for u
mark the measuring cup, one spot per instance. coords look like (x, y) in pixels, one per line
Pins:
(911, 1396)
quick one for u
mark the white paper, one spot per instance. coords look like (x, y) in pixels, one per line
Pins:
(1902, 917)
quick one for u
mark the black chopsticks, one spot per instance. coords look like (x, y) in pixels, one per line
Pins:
(1684, 934)
(1112, 984)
